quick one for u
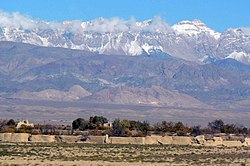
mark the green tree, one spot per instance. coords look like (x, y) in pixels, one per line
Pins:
(143, 126)
(196, 130)
(11, 122)
(164, 127)
(80, 123)
(230, 128)
(245, 131)
(97, 121)
(179, 126)
(120, 128)
(216, 125)
(132, 124)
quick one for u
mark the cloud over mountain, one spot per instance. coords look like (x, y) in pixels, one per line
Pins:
(117, 24)
(16, 20)
(101, 25)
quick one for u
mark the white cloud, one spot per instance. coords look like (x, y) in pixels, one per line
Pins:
(73, 26)
(102, 25)
(158, 25)
(119, 25)
(106, 25)
(16, 20)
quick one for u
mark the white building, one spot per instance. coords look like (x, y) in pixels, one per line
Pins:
(24, 123)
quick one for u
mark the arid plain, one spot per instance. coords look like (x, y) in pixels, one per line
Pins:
(107, 154)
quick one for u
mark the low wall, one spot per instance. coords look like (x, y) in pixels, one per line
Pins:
(69, 138)
(165, 140)
(216, 141)
(14, 137)
(232, 143)
(42, 138)
(200, 139)
(96, 139)
(181, 140)
(127, 140)
(154, 139)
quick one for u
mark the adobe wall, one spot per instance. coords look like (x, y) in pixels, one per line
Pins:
(127, 140)
(69, 138)
(200, 139)
(232, 143)
(163, 140)
(14, 137)
(154, 139)
(96, 139)
(216, 141)
(182, 140)
(42, 138)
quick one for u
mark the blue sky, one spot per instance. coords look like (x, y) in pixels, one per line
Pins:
(217, 14)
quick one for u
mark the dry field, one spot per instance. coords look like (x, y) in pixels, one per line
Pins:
(107, 154)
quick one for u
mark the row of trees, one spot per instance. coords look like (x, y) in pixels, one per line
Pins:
(130, 128)
(170, 127)
(218, 126)
(100, 125)
(138, 128)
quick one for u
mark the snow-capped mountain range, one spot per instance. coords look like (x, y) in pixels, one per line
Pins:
(189, 40)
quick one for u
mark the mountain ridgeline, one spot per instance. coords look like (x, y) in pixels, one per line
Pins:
(189, 40)
(47, 73)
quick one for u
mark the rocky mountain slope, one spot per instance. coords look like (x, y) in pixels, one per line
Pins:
(189, 40)
(153, 96)
(29, 71)
(76, 92)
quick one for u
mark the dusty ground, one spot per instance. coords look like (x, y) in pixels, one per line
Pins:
(98, 155)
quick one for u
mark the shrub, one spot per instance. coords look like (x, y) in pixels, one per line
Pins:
(11, 122)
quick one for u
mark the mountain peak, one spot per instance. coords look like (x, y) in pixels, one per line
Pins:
(193, 28)
(196, 22)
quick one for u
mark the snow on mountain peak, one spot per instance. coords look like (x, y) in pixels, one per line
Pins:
(193, 28)
(189, 40)
(242, 31)
(195, 22)
(103, 25)
(143, 23)
(246, 30)
(240, 56)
